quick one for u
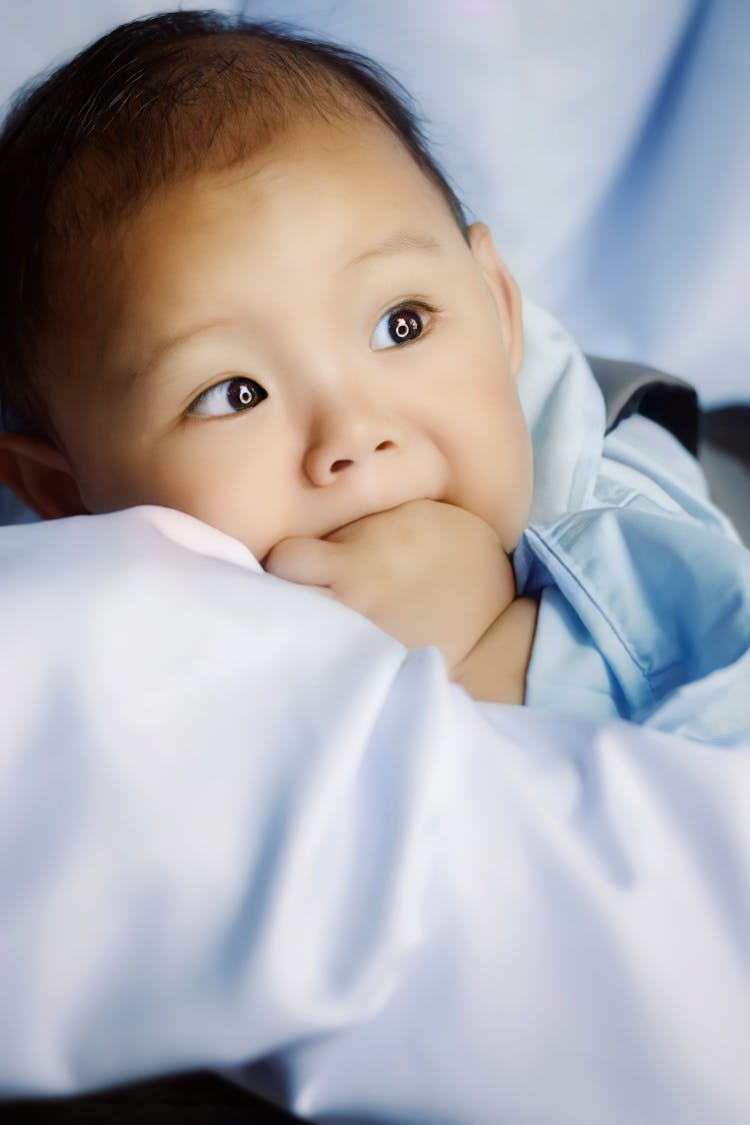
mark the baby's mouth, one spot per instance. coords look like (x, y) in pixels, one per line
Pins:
(357, 519)
(372, 512)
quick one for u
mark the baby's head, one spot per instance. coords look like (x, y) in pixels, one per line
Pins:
(237, 285)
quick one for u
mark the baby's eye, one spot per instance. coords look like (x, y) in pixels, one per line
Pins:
(229, 397)
(399, 327)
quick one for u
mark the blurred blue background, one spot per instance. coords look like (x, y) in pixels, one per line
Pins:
(605, 144)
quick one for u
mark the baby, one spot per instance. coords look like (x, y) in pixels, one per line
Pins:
(239, 286)
(256, 300)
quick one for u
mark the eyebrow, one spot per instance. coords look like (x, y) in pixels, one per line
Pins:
(168, 344)
(396, 244)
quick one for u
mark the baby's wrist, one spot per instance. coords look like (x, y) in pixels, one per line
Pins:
(495, 668)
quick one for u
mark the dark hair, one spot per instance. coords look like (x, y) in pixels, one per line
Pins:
(153, 101)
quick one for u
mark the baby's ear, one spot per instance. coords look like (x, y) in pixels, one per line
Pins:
(504, 289)
(40, 476)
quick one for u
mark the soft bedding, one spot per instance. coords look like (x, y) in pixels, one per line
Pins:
(240, 827)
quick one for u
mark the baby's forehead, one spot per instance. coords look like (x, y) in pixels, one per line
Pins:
(336, 178)
(218, 271)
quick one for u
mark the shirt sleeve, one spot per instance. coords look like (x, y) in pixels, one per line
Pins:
(242, 828)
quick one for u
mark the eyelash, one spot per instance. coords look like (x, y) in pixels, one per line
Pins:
(417, 305)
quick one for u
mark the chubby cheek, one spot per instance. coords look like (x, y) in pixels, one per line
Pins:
(230, 496)
(493, 453)
(211, 485)
(514, 471)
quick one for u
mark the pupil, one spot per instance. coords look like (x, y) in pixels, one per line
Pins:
(404, 325)
(240, 394)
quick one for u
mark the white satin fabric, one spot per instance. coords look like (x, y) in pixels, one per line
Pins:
(239, 824)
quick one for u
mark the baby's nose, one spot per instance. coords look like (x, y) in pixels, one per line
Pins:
(347, 441)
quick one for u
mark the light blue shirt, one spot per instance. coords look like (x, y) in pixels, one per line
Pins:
(637, 602)
(645, 587)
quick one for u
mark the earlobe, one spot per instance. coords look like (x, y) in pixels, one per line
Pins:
(504, 289)
(40, 476)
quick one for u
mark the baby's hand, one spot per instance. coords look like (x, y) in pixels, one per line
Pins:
(426, 572)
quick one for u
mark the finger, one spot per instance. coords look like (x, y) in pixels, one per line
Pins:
(308, 561)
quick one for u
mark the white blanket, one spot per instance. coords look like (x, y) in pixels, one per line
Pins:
(239, 823)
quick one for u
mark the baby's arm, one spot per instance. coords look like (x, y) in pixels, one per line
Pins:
(428, 573)
(495, 669)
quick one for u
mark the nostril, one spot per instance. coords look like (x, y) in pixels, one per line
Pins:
(347, 462)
